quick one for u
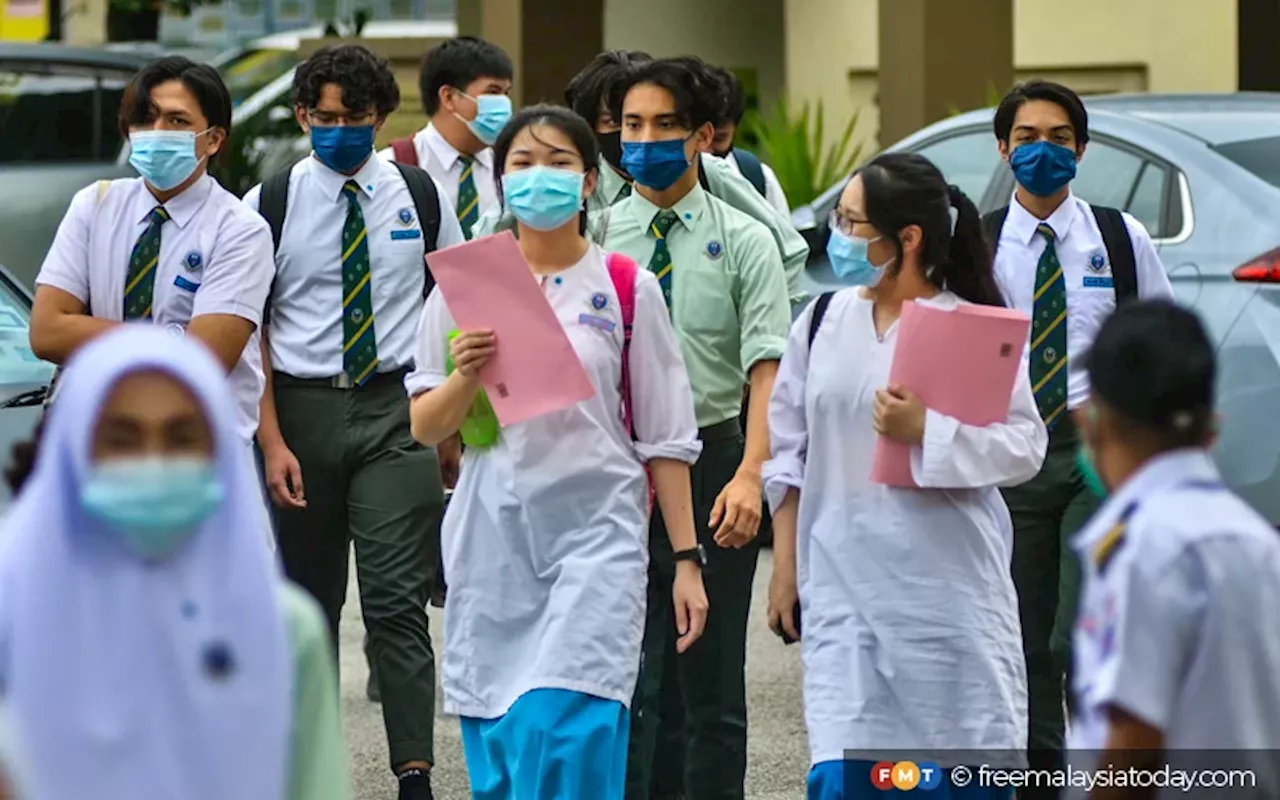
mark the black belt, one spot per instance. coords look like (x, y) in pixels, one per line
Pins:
(342, 381)
(720, 432)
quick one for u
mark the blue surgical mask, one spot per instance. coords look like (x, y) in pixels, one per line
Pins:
(1043, 168)
(164, 158)
(658, 164)
(544, 198)
(493, 111)
(153, 504)
(342, 148)
(848, 256)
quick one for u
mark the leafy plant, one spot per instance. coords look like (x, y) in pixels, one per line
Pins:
(794, 145)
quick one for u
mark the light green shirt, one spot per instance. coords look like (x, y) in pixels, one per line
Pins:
(318, 764)
(728, 292)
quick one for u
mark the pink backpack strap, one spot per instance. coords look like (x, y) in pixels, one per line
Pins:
(622, 271)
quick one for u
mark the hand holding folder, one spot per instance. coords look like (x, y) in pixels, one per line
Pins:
(961, 362)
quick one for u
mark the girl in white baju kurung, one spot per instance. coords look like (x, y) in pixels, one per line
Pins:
(544, 541)
(910, 637)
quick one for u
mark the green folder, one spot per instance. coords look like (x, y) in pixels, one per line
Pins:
(480, 428)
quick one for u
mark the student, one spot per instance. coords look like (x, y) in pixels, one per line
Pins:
(545, 536)
(465, 83)
(722, 281)
(1176, 655)
(172, 661)
(748, 165)
(1067, 265)
(171, 247)
(910, 636)
(341, 463)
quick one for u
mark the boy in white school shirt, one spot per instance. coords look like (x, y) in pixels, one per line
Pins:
(1176, 648)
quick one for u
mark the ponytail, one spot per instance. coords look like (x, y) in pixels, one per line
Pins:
(968, 268)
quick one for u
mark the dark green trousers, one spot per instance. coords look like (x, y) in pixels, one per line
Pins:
(1047, 512)
(689, 714)
(366, 480)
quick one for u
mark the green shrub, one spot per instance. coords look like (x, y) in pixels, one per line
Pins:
(793, 144)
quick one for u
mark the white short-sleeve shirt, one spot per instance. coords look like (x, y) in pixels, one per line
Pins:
(306, 302)
(444, 162)
(215, 258)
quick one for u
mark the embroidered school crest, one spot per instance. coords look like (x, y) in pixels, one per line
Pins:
(194, 260)
(599, 301)
(714, 250)
(1098, 263)
(405, 216)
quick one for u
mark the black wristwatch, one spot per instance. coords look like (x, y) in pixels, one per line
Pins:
(696, 554)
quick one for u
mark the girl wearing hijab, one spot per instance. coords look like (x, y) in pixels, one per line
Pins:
(911, 640)
(545, 541)
(149, 647)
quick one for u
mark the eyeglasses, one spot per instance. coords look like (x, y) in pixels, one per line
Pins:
(327, 119)
(839, 222)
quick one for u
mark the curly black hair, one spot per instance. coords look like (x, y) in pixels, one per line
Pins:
(698, 93)
(366, 79)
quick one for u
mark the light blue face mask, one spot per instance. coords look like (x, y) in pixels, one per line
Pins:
(164, 158)
(544, 198)
(848, 256)
(493, 111)
(153, 504)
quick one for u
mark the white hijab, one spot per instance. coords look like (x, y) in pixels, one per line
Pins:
(104, 658)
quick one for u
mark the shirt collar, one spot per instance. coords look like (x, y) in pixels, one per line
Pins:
(611, 183)
(330, 183)
(688, 209)
(180, 208)
(447, 154)
(1022, 223)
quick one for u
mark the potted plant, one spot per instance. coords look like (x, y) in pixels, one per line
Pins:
(794, 144)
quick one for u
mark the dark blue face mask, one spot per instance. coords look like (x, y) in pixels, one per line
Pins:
(1043, 168)
(342, 148)
(658, 164)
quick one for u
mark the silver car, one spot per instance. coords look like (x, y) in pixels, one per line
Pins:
(1202, 172)
(23, 377)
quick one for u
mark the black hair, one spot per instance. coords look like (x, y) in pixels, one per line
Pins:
(22, 459)
(693, 87)
(902, 189)
(1049, 91)
(1153, 363)
(562, 119)
(593, 88)
(458, 62)
(366, 79)
(734, 107)
(203, 81)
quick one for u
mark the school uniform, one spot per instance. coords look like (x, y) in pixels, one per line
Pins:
(1174, 627)
(772, 186)
(467, 179)
(727, 294)
(545, 547)
(911, 639)
(340, 346)
(1059, 273)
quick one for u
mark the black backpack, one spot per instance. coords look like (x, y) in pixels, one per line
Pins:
(750, 167)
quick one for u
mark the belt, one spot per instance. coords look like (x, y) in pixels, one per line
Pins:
(342, 381)
(720, 432)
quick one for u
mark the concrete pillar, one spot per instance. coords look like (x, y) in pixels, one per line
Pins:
(939, 56)
(548, 40)
(1258, 50)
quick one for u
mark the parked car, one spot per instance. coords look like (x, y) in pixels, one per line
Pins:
(24, 379)
(1202, 173)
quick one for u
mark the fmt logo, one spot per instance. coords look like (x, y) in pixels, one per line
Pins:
(906, 775)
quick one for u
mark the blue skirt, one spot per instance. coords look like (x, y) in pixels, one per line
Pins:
(552, 744)
(851, 780)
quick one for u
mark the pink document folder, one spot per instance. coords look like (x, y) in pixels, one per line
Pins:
(961, 363)
(486, 283)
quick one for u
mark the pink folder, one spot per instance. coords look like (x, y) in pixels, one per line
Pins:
(486, 283)
(961, 363)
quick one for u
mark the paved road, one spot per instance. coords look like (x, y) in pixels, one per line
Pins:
(778, 753)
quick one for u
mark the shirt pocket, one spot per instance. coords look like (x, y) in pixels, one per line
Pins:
(703, 295)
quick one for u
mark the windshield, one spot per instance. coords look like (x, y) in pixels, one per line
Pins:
(19, 367)
(252, 70)
(1259, 156)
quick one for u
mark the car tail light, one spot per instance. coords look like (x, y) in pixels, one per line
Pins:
(1263, 269)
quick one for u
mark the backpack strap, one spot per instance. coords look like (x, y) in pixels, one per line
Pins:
(1124, 264)
(702, 174)
(819, 311)
(751, 169)
(404, 152)
(426, 201)
(273, 202)
(622, 271)
(992, 224)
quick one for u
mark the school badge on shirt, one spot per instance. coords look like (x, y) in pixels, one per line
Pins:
(405, 215)
(1098, 272)
(194, 261)
(714, 250)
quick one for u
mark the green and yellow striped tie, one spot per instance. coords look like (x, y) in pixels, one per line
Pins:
(624, 192)
(468, 198)
(1049, 333)
(660, 263)
(140, 282)
(359, 341)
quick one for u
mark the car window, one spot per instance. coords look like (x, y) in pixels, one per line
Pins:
(251, 71)
(1110, 176)
(55, 114)
(18, 365)
(967, 159)
(1259, 156)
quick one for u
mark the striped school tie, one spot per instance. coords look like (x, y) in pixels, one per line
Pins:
(660, 263)
(1049, 334)
(360, 342)
(624, 192)
(140, 282)
(468, 197)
